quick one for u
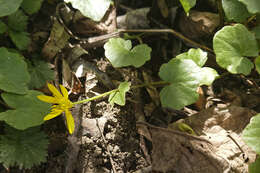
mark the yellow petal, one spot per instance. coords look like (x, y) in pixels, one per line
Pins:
(47, 99)
(54, 91)
(70, 121)
(54, 113)
(64, 91)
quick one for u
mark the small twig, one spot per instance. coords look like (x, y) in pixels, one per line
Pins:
(171, 31)
(108, 151)
(103, 38)
(235, 143)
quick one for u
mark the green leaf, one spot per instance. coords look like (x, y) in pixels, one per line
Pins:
(256, 30)
(28, 111)
(118, 97)
(255, 167)
(13, 72)
(187, 5)
(197, 55)
(40, 73)
(20, 39)
(251, 134)
(3, 27)
(257, 64)
(253, 6)
(92, 9)
(23, 148)
(183, 76)
(235, 10)
(208, 75)
(31, 6)
(117, 50)
(232, 44)
(8, 7)
(18, 21)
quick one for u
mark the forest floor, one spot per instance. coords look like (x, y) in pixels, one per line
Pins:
(141, 136)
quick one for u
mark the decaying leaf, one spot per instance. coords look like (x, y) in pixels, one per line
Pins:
(182, 153)
(198, 24)
(218, 147)
(223, 127)
(57, 40)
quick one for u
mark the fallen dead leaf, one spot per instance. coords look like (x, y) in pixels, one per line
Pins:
(223, 126)
(182, 153)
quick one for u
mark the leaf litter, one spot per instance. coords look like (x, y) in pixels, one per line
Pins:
(110, 138)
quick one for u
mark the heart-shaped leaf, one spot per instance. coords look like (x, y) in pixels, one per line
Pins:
(16, 79)
(232, 44)
(118, 97)
(117, 50)
(28, 111)
(184, 76)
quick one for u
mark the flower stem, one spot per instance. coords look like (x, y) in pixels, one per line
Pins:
(115, 90)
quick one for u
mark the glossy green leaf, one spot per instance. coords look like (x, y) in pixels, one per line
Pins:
(255, 167)
(28, 111)
(8, 7)
(232, 44)
(197, 55)
(235, 10)
(13, 72)
(40, 73)
(23, 148)
(187, 5)
(251, 134)
(31, 6)
(95, 10)
(253, 6)
(20, 39)
(120, 54)
(18, 21)
(184, 76)
(118, 97)
(257, 64)
(3, 27)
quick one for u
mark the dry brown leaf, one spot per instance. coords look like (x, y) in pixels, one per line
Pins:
(57, 40)
(198, 24)
(181, 153)
(223, 127)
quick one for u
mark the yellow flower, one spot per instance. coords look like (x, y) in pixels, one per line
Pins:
(61, 104)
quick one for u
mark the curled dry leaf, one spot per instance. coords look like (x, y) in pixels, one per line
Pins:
(213, 150)
(182, 153)
(223, 126)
